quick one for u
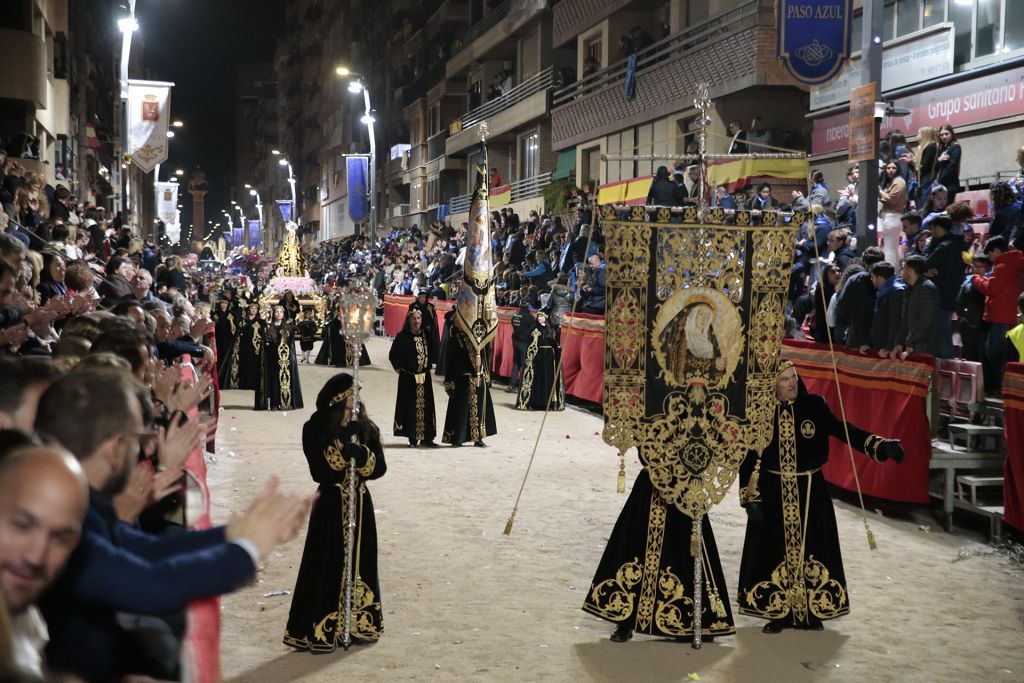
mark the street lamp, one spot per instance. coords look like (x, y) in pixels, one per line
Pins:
(291, 183)
(355, 86)
(259, 205)
(178, 123)
(127, 25)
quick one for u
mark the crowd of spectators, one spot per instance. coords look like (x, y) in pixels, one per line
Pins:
(107, 401)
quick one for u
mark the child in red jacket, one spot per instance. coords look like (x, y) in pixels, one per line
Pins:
(1001, 290)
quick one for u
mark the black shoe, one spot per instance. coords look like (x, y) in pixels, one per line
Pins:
(429, 444)
(775, 626)
(412, 444)
(621, 634)
(812, 627)
(480, 444)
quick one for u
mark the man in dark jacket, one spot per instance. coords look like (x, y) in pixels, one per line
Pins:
(855, 306)
(944, 258)
(117, 568)
(970, 307)
(885, 321)
(920, 305)
(515, 251)
(664, 192)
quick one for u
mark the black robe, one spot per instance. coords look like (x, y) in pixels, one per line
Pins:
(226, 329)
(307, 334)
(317, 611)
(429, 314)
(278, 387)
(439, 368)
(241, 371)
(291, 308)
(414, 407)
(335, 351)
(331, 332)
(645, 578)
(796, 533)
(470, 415)
(541, 373)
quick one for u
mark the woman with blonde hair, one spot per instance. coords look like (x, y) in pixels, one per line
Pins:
(924, 159)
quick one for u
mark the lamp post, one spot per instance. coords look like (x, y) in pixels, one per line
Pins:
(291, 183)
(259, 206)
(128, 25)
(356, 86)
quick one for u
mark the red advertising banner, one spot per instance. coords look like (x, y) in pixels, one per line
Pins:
(977, 100)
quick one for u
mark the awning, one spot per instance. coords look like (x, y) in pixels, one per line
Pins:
(566, 165)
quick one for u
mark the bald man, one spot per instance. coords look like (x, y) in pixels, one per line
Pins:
(43, 499)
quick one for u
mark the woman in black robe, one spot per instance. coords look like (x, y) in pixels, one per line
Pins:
(226, 329)
(411, 355)
(278, 386)
(291, 305)
(439, 369)
(791, 524)
(242, 368)
(330, 334)
(470, 415)
(644, 582)
(329, 440)
(541, 370)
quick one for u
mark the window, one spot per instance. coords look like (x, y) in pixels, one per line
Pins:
(908, 16)
(987, 24)
(592, 48)
(1013, 27)
(591, 159)
(529, 156)
(934, 12)
(960, 15)
(434, 119)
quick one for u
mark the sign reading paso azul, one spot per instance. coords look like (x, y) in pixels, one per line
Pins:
(814, 38)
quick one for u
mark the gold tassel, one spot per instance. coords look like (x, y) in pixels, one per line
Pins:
(508, 524)
(717, 605)
(620, 485)
(871, 536)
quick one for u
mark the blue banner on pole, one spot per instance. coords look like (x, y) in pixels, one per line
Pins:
(254, 233)
(814, 38)
(285, 207)
(358, 200)
(236, 238)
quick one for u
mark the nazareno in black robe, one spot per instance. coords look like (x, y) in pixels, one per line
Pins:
(796, 535)
(225, 325)
(242, 368)
(335, 351)
(315, 621)
(411, 356)
(645, 578)
(330, 334)
(439, 368)
(470, 415)
(278, 386)
(541, 373)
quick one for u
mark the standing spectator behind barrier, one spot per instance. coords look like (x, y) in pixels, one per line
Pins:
(885, 322)
(970, 307)
(593, 291)
(924, 159)
(916, 333)
(1001, 290)
(892, 200)
(947, 165)
(944, 258)
(846, 207)
(1007, 211)
(855, 306)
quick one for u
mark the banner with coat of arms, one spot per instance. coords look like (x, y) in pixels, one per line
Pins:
(167, 209)
(149, 111)
(694, 321)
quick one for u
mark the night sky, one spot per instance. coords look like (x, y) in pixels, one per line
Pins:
(196, 44)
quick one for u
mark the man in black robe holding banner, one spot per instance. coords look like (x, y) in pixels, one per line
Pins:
(467, 360)
(429, 317)
(411, 356)
(792, 568)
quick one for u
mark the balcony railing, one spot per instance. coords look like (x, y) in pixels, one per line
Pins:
(397, 210)
(492, 19)
(531, 86)
(690, 39)
(527, 188)
(435, 145)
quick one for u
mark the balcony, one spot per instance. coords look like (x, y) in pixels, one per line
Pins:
(569, 18)
(23, 68)
(527, 188)
(398, 210)
(731, 51)
(491, 32)
(526, 102)
(435, 145)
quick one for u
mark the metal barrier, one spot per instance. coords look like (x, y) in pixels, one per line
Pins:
(531, 86)
(527, 188)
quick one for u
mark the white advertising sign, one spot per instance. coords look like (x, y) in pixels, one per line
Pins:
(149, 111)
(911, 59)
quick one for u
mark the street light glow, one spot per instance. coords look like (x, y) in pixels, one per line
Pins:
(367, 119)
(179, 171)
(342, 71)
(275, 152)
(355, 87)
(170, 133)
(283, 162)
(128, 25)
(252, 192)
(247, 186)
(178, 123)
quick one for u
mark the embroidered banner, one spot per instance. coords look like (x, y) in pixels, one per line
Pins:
(254, 233)
(358, 199)
(694, 322)
(285, 207)
(814, 38)
(149, 111)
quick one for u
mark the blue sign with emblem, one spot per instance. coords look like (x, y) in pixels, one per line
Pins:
(814, 38)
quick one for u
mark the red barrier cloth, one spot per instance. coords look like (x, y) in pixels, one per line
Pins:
(583, 356)
(395, 309)
(1013, 421)
(882, 396)
(504, 352)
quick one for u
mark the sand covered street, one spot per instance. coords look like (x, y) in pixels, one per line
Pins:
(464, 602)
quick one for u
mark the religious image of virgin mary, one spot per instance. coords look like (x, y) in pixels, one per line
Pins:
(691, 349)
